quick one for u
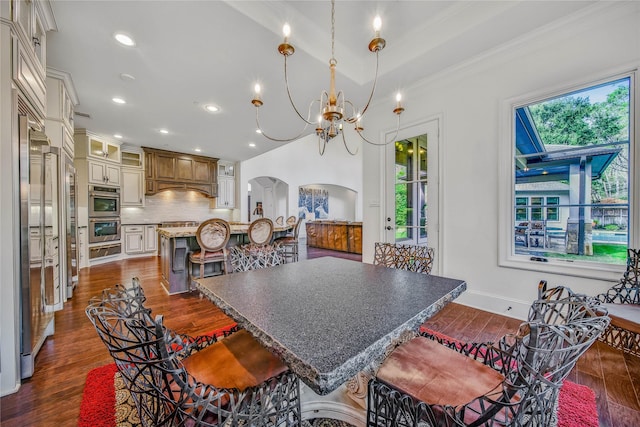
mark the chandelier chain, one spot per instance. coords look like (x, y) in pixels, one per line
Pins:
(333, 30)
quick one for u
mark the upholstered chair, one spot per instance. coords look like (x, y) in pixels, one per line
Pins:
(279, 220)
(291, 220)
(212, 237)
(260, 231)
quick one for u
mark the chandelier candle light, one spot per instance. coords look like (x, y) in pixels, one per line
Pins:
(334, 109)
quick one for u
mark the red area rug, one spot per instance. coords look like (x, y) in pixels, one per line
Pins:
(577, 403)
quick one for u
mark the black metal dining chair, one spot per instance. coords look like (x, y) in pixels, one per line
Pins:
(622, 301)
(404, 257)
(252, 257)
(235, 381)
(514, 382)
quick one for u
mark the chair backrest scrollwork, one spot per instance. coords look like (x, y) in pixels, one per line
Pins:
(260, 231)
(414, 258)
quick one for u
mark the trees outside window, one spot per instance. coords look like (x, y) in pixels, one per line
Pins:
(578, 144)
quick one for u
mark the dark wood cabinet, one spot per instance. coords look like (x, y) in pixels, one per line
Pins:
(335, 235)
(168, 170)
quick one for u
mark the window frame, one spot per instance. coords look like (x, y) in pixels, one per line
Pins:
(506, 184)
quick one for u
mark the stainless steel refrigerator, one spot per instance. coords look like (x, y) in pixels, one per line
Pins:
(70, 214)
(39, 241)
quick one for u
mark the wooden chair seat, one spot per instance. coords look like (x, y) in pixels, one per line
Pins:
(237, 361)
(431, 372)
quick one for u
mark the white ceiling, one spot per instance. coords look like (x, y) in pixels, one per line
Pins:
(192, 53)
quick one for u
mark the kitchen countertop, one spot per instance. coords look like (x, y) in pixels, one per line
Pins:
(191, 231)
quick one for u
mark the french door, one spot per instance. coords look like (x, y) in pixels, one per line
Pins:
(412, 186)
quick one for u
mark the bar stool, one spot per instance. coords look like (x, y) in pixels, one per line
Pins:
(260, 231)
(212, 236)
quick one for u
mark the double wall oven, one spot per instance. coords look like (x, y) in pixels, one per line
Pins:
(104, 220)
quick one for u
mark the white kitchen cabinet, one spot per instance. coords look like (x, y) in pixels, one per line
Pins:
(131, 158)
(150, 238)
(140, 239)
(226, 168)
(90, 146)
(226, 185)
(226, 193)
(133, 239)
(132, 192)
(82, 247)
(103, 173)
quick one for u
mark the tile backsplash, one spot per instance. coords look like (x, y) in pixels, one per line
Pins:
(175, 206)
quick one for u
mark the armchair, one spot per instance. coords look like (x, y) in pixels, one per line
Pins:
(623, 304)
(233, 382)
(404, 257)
(514, 382)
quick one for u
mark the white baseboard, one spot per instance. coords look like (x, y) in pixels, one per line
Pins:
(495, 304)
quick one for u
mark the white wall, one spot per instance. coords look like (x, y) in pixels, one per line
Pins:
(469, 98)
(299, 164)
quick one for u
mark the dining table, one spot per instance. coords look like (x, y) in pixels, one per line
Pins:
(330, 319)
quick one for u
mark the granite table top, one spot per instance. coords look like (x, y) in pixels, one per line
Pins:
(329, 318)
(191, 231)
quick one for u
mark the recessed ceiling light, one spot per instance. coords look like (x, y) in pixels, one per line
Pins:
(197, 150)
(117, 135)
(164, 131)
(125, 77)
(124, 39)
(118, 100)
(211, 108)
(251, 144)
(258, 131)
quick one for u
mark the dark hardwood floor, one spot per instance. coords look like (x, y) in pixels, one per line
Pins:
(52, 396)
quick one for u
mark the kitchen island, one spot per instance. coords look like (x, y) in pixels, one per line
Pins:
(344, 236)
(176, 243)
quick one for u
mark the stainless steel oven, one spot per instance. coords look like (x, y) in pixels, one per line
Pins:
(104, 202)
(104, 229)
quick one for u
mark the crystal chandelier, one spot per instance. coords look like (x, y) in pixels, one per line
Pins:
(335, 111)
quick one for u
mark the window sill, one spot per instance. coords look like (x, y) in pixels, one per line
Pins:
(606, 272)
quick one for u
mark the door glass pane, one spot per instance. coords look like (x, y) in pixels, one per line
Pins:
(411, 190)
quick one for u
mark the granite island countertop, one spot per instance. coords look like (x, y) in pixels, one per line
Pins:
(172, 232)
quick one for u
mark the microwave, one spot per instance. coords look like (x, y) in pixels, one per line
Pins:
(104, 202)
(104, 229)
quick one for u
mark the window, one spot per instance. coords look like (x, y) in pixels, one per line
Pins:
(522, 213)
(552, 210)
(570, 168)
